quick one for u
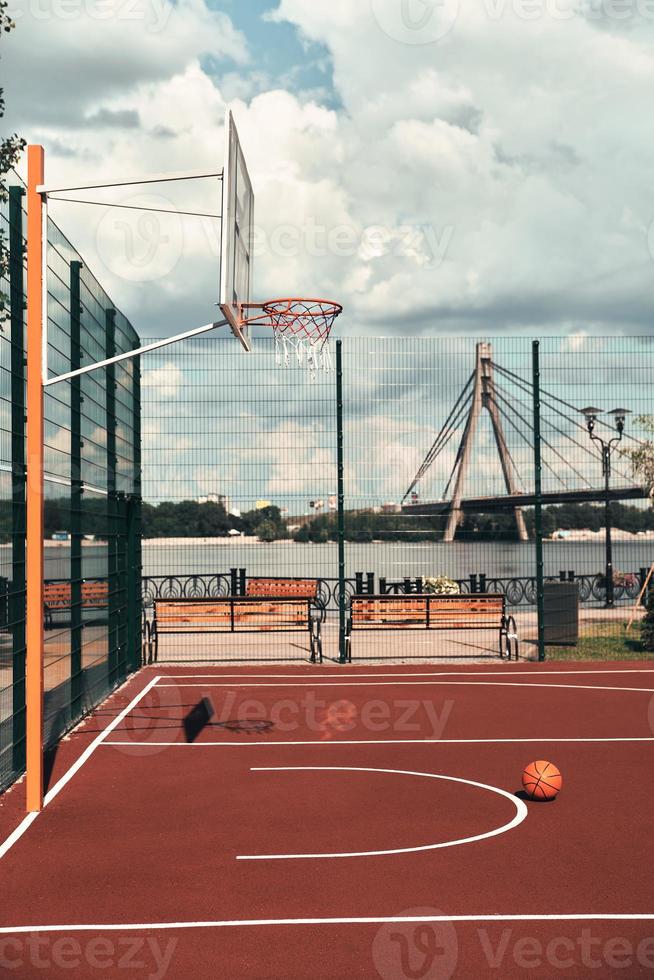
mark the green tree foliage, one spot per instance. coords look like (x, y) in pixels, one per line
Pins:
(189, 519)
(266, 524)
(642, 458)
(367, 526)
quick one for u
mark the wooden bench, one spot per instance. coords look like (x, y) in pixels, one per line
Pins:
(479, 611)
(57, 596)
(235, 614)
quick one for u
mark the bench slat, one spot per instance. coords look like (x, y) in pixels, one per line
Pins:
(300, 588)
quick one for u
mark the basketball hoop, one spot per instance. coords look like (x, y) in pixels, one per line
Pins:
(302, 326)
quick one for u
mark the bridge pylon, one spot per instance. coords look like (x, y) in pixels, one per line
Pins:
(483, 397)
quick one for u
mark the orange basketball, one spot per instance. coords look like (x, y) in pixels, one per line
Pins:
(541, 780)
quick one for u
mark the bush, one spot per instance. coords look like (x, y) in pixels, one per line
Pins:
(441, 585)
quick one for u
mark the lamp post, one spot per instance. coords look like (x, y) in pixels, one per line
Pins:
(606, 449)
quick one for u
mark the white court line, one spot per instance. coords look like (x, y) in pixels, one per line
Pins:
(25, 823)
(379, 741)
(521, 814)
(335, 920)
(76, 766)
(314, 684)
(436, 673)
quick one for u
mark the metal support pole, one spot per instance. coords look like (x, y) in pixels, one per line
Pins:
(36, 313)
(341, 502)
(130, 354)
(16, 611)
(538, 508)
(607, 522)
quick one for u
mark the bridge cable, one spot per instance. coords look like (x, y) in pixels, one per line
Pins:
(546, 465)
(584, 447)
(459, 450)
(445, 434)
(554, 451)
(437, 450)
(561, 401)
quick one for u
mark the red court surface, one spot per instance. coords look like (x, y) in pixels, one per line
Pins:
(342, 822)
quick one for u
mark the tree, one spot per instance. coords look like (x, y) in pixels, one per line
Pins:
(642, 458)
(252, 521)
(10, 149)
(267, 531)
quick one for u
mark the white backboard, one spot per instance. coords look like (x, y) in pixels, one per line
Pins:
(237, 233)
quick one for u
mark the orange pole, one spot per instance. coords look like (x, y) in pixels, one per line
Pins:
(34, 493)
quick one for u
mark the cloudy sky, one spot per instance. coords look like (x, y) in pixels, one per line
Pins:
(437, 166)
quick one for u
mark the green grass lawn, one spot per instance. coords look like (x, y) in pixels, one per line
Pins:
(604, 641)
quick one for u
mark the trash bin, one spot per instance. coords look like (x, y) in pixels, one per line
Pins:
(561, 613)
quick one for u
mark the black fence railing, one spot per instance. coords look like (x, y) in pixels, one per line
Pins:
(519, 590)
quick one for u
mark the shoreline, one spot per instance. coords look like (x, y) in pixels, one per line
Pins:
(558, 537)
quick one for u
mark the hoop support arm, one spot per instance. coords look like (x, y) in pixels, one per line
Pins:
(154, 179)
(134, 353)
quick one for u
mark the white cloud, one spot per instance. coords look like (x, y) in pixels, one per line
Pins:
(505, 169)
(164, 382)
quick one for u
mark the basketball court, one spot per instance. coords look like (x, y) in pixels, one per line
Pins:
(314, 823)
(333, 821)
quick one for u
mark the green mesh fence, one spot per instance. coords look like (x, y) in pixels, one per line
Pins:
(440, 494)
(92, 496)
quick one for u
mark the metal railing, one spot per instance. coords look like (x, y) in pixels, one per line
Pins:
(519, 590)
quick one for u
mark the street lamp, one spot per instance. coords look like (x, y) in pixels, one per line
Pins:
(607, 446)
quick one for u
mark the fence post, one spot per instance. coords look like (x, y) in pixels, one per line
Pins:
(538, 494)
(113, 520)
(341, 503)
(16, 611)
(76, 529)
(135, 608)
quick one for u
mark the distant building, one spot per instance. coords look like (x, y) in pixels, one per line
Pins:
(215, 498)
(391, 509)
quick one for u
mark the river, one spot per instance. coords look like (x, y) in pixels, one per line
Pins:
(391, 560)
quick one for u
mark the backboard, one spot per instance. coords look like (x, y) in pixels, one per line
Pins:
(237, 234)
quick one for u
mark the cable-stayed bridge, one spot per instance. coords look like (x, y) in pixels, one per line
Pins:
(508, 400)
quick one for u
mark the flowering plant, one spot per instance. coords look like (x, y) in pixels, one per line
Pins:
(625, 580)
(440, 585)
